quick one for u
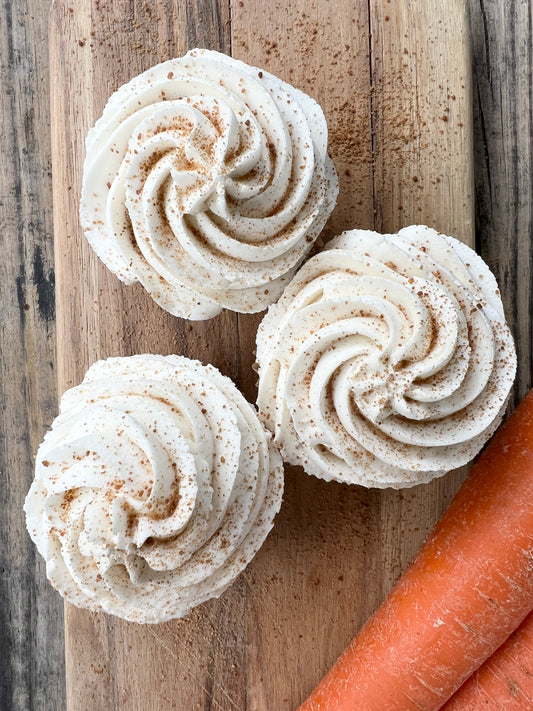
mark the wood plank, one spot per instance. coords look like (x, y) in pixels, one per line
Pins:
(335, 550)
(31, 616)
(503, 123)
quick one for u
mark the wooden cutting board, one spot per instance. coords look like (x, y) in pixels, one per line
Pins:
(393, 78)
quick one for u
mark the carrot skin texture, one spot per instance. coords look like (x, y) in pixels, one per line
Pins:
(505, 681)
(469, 587)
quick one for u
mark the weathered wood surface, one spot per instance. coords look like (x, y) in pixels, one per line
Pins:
(31, 616)
(502, 42)
(31, 671)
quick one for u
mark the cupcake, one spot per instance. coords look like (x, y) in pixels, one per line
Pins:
(154, 488)
(207, 181)
(387, 361)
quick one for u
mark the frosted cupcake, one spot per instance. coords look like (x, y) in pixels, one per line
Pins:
(207, 181)
(154, 488)
(387, 361)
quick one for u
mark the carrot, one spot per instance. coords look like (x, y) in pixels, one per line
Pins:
(469, 587)
(505, 681)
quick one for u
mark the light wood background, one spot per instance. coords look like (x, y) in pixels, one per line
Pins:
(244, 651)
(394, 83)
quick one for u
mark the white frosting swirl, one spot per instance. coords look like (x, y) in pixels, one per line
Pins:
(155, 487)
(207, 180)
(387, 361)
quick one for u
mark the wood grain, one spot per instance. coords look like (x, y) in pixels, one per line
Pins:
(31, 672)
(400, 121)
(503, 101)
(31, 616)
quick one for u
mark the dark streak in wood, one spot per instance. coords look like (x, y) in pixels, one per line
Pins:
(31, 635)
(503, 126)
(45, 283)
(208, 26)
(21, 298)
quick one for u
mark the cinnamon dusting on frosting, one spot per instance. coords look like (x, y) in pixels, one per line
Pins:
(387, 361)
(206, 180)
(154, 488)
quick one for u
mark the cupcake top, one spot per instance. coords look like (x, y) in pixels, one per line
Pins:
(207, 180)
(387, 361)
(154, 488)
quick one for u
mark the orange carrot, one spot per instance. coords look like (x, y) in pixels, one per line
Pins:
(505, 681)
(469, 587)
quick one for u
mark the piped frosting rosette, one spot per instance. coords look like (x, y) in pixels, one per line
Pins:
(207, 180)
(154, 488)
(387, 361)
